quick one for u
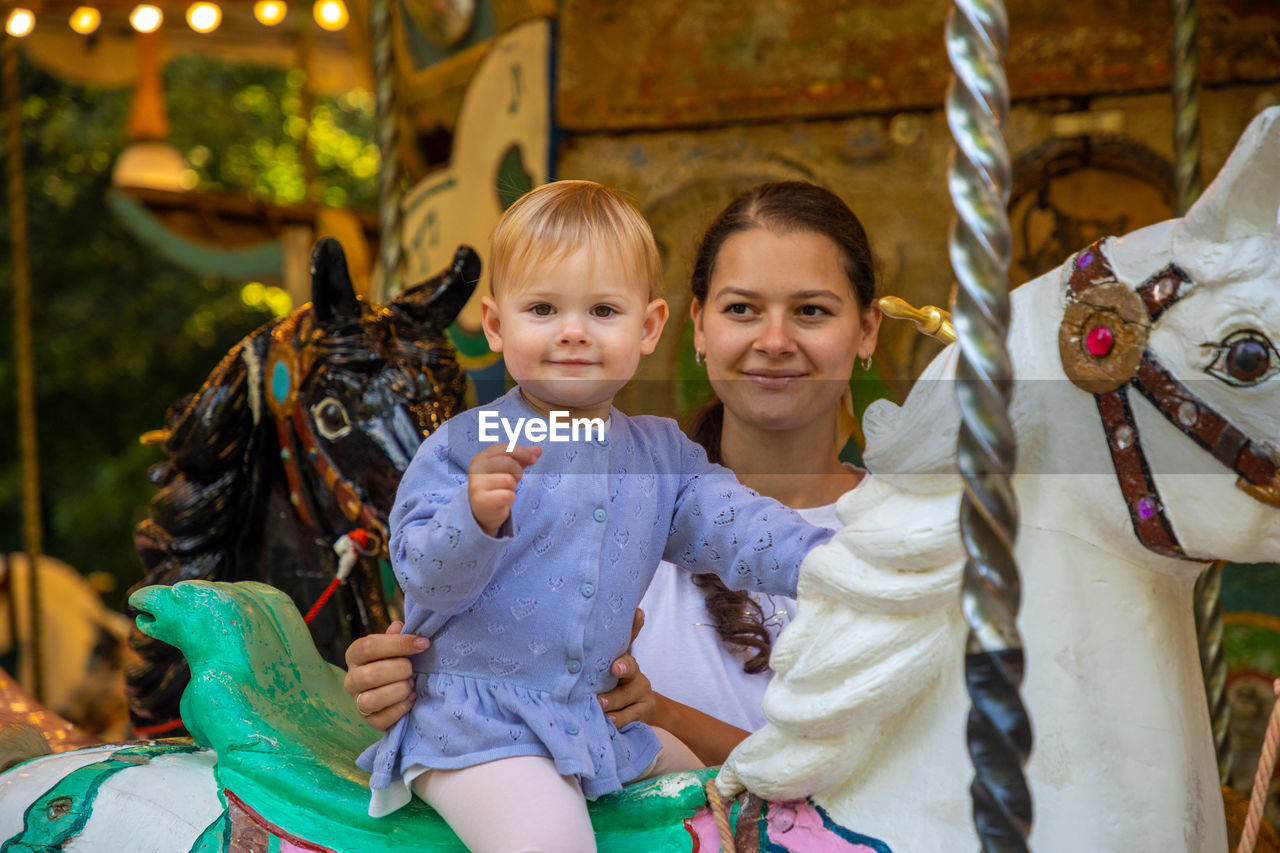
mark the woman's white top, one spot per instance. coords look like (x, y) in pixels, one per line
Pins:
(683, 656)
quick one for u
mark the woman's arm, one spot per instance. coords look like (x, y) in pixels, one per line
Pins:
(710, 739)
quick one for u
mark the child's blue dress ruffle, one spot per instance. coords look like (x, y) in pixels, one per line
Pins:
(454, 711)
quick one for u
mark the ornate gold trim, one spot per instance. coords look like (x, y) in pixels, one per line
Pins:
(930, 320)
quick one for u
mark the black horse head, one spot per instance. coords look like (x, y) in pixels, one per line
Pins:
(299, 436)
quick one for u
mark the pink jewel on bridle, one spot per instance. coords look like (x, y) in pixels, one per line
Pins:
(1099, 340)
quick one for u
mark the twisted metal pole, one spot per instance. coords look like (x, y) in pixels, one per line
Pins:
(390, 191)
(999, 731)
(1186, 154)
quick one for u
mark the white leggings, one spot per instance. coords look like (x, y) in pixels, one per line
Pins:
(522, 805)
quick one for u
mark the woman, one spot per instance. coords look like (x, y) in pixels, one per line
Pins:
(783, 307)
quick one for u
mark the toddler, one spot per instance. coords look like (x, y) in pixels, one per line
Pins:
(525, 532)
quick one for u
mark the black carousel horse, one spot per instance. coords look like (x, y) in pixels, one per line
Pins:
(298, 437)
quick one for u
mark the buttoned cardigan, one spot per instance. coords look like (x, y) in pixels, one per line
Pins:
(524, 625)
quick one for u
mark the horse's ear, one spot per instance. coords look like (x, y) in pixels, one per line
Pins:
(437, 301)
(1244, 198)
(332, 295)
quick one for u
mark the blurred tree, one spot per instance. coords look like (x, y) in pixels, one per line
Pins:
(120, 334)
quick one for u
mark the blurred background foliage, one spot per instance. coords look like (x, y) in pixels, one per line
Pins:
(118, 333)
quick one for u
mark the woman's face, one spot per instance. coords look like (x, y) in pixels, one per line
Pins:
(781, 328)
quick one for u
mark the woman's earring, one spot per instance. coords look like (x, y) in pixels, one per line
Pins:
(866, 363)
(698, 356)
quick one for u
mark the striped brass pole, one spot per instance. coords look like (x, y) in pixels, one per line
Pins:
(1213, 663)
(1186, 104)
(390, 192)
(999, 731)
(1186, 154)
(32, 535)
(306, 106)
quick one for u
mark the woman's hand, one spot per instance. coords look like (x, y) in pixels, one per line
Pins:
(633, 699)
(379, 675)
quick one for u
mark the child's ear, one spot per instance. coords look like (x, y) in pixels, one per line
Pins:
(655, 317)
(491, 323)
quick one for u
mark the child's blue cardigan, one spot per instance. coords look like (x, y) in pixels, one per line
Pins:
(524, 626)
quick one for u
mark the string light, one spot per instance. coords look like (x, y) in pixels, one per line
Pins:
(145, 18)
(85, 19)
(204, 17)
(20, 22)
(269, 12)
(331, 14)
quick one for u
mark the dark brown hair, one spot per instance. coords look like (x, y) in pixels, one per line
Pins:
(784, 207)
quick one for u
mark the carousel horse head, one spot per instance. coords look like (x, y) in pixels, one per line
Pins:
(1174, 332)
(297, 438)
(1147, 413)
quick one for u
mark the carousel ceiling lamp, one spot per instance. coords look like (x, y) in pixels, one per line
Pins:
(269, 12)
(146, 18)
(149, 162)
(20, 22)
(331, 14)
(85, 20)
(204, 17)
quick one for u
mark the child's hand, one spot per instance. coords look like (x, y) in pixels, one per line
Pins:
(492, 480)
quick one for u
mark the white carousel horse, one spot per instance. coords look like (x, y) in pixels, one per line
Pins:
(84, 646)
(867, 711)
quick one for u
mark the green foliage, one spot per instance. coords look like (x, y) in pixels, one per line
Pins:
(120, 334)
(242, 129)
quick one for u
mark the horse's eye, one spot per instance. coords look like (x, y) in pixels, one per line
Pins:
(331, 418)
(1244, 358)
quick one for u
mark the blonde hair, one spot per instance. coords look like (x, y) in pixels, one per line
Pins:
(559, 218)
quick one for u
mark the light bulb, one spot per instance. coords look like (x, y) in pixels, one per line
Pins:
(204, 17)
(331, 14)
(269, 12)
(145, 18)
(85, 19)
(20, 22)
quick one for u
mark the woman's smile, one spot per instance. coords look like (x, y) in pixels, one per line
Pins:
(774, 378)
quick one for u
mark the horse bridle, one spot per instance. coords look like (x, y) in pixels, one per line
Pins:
(1103, 344)
(287, 367)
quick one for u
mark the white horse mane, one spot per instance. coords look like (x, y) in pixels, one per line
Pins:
(873, 630)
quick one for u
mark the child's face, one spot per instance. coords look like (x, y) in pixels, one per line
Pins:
(573, 331)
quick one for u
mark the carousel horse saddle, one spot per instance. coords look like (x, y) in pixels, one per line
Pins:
(286, 733)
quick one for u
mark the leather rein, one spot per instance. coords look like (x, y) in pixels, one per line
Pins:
(1103, 344)
(287, 367)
